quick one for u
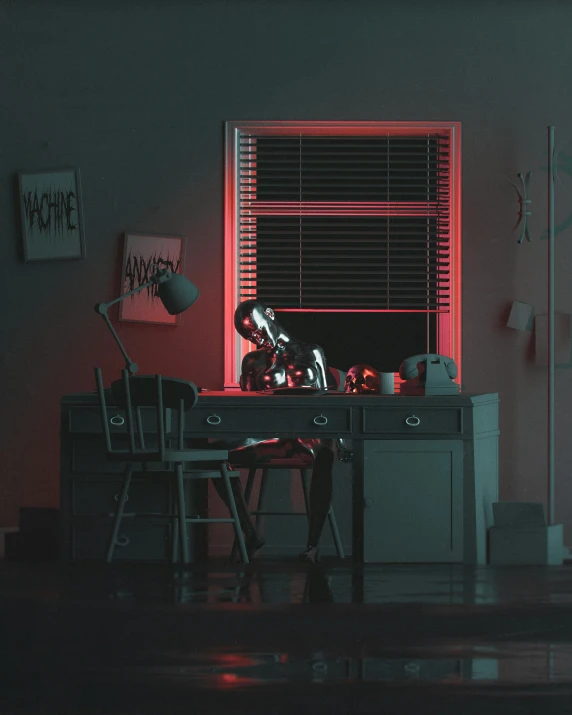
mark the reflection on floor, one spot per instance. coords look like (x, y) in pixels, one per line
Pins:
(280, 635)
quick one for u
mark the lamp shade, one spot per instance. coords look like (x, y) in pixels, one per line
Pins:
(177, 293)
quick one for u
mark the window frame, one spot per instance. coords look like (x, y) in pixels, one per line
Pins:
(449, 325)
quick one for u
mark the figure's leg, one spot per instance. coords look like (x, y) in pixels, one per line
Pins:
(320, 496)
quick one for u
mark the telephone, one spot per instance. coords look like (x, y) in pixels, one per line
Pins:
(428, 374)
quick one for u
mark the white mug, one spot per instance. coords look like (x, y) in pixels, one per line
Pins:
(387, 380)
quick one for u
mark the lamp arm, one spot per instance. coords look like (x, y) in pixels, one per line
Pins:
(131, 366)
(102, 308)
(126, 295)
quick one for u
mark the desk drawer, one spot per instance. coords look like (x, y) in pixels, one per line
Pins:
(88, 420)
(100, 498)
(88, 455)
(255, 421)
(413, 420)
(136, 540)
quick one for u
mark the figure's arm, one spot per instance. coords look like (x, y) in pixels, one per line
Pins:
(274, 374)
(252, 364)
(320, 358)
(296, 368)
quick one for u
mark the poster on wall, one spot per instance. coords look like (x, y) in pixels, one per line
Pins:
(140, 253)
(51, 215)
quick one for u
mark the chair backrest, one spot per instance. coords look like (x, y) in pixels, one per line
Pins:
(156, 391)
(145, 390)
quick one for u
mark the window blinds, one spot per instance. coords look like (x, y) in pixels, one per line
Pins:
(345, 222)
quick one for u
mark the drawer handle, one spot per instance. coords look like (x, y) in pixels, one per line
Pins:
(320, 420)
(117, 420)
(214, 420)
(412, 668)
(118, 497)
(412, 421)
(122, 541)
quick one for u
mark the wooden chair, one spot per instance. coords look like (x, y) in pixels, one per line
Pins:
(163, 394)
(303, 464)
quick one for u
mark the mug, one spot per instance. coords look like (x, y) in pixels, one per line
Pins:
(387, 380)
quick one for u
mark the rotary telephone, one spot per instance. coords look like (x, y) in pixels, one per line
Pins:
(428, 374)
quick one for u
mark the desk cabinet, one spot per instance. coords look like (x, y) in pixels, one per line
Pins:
(413, 501)
(424, 474)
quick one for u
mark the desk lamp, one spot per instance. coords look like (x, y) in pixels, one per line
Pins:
(176, 292)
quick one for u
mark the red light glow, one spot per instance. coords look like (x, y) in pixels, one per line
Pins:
(448, 322)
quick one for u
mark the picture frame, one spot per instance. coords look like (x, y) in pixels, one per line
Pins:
(51, 215)
(140, 252)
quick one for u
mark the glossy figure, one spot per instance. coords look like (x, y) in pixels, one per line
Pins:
(281, 361)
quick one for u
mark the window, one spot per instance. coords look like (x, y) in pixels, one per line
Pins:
(350, 231)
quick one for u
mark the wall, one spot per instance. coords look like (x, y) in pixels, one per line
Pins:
(135, 94)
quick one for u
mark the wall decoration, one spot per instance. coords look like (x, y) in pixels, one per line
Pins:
(523, 202)
(51, 215)
(140, 252)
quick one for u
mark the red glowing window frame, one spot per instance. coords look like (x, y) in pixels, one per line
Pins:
(449, 332)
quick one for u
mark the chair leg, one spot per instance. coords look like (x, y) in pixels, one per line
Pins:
(249, 485)
(261, 494)
(174, 526)
(182, 514)
(119, 513)
(234, 512)
(175, 540)
(247, 493)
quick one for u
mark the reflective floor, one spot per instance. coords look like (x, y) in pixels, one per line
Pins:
(281, 636)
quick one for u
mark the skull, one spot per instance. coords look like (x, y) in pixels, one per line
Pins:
(362, 380)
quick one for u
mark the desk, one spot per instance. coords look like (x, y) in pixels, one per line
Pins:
(422, 489)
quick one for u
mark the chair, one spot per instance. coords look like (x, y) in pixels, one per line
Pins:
(163, 394)
(300, 462)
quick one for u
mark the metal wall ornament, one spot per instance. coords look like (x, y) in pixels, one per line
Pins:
(559, 161)
(523, 202)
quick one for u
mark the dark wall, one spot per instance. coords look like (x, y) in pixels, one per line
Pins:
(135, 94)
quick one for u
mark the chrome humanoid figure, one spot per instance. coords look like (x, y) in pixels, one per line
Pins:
(281, 361)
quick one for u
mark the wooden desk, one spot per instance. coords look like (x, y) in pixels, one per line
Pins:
(422, 492)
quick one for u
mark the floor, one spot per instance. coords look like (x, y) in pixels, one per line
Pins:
(283, 637)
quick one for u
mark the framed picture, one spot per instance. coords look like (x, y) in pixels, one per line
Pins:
(140, 252)
(51, 215)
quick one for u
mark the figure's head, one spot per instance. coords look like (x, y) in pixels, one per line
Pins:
(363, 380)
(257, 323)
